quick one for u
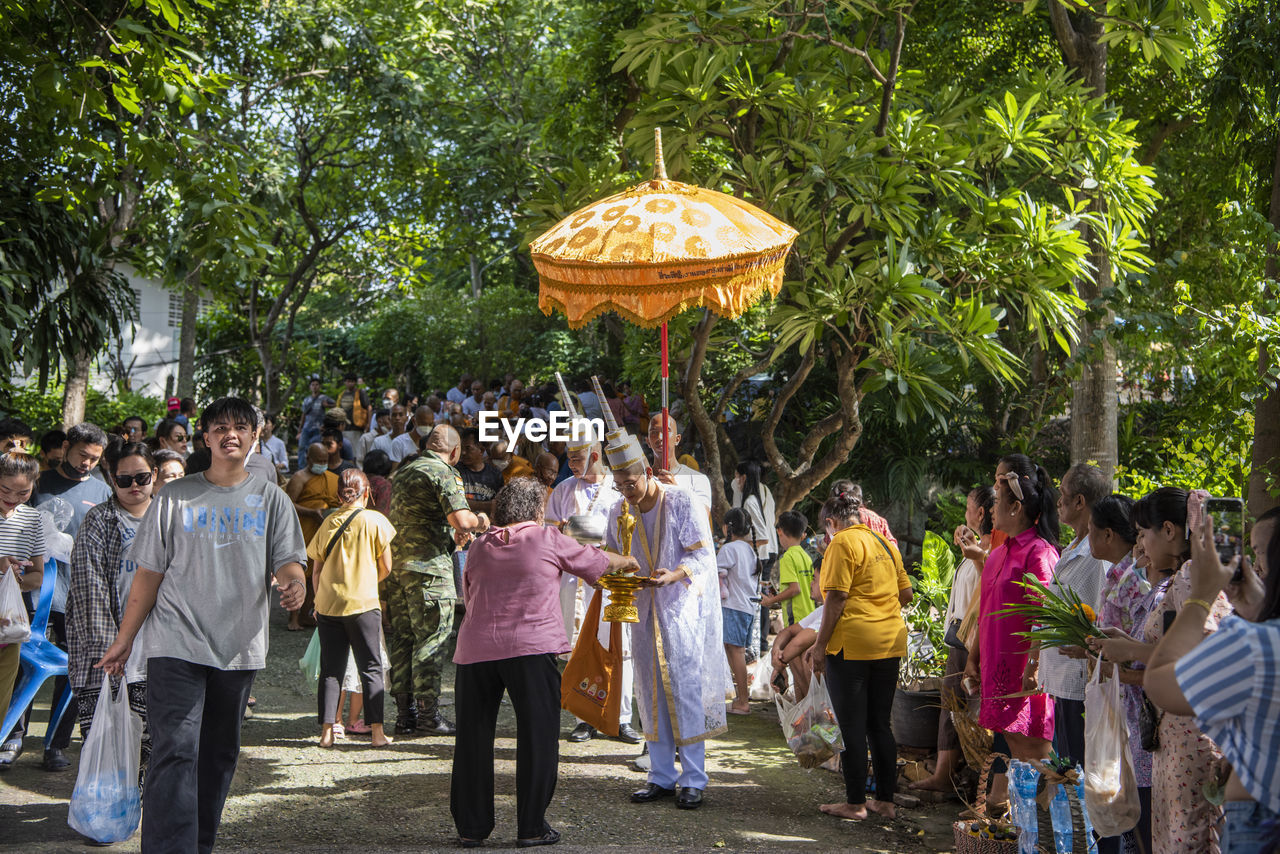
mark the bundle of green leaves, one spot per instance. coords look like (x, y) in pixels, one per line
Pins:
(1057, 619)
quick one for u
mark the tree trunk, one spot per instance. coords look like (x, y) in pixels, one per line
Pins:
(77, 390)
(270, 380)
(1265, 476)
(187, 334)
(475, 276)
(1093, 393)
(702, 421)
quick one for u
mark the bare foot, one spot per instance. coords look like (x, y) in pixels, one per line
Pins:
(857, 813)
(740, 709)
(932, 784)
(883, 808)
(379, 737)
(326, 735)
(383, 742)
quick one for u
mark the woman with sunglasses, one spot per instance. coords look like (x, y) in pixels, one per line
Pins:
(102, 573)
(171, 435)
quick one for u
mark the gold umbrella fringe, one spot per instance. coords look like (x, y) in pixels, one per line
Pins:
(633, 275)
(583, 303)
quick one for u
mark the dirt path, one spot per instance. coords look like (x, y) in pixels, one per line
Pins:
(291, 796)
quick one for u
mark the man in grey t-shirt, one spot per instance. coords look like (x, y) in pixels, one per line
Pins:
(208, 551)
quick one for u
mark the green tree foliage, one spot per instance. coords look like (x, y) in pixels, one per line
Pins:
(929, 216)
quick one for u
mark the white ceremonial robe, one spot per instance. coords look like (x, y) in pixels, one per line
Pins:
(678, 646)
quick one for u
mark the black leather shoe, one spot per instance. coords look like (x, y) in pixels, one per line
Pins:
(551, 837)
(436, 724)
(55, 760)
(9, 752)
(627, 733)
(689, 798)
(582, 732)
(651, 792)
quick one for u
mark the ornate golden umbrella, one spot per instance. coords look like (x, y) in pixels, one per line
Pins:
(657, 249)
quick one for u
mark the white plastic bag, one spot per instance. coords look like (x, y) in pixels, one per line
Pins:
(106, 805)
(1110, 787)
(14, 625)
(810, 725)
(758, 675)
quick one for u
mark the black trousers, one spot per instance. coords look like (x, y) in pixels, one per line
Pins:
(1068, 729)
(862, 694)
(360, 634)
(533, 683)
(194, 713)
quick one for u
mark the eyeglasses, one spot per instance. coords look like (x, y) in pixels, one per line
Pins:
(1012, 479)
(124, 481)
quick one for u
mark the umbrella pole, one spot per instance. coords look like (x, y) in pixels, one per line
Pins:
(668, 461)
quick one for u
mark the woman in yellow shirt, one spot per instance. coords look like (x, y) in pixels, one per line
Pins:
(350, 554)
(860, 643)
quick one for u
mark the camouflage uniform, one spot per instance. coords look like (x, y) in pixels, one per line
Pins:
(420, 590)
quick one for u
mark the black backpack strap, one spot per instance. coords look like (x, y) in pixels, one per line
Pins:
(337, 535)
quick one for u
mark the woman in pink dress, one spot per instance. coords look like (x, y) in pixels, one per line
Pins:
(1024, 511)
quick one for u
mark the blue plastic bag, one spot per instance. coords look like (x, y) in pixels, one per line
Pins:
(106, 805)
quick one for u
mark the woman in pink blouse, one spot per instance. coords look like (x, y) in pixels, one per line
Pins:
(508, 641)
(1024, 511)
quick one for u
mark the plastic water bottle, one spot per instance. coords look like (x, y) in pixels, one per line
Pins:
(1060, 812)
(1022, 804)
(1088, 825)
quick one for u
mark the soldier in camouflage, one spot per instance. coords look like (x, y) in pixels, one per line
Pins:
(430, 514)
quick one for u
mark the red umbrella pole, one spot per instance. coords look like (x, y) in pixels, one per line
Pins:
(668, 460)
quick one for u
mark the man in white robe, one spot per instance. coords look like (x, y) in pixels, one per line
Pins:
(590, 492)
(678, 645)
(671, 471)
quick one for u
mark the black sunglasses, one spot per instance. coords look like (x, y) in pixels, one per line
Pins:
(124, 481)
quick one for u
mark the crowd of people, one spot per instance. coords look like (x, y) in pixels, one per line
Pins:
(405, 541)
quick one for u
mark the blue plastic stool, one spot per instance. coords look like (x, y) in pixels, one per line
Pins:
(41, 661)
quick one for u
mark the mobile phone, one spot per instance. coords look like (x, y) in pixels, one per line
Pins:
(1228, 532)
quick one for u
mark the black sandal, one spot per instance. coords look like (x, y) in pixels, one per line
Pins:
(551, 837)
(470, 843)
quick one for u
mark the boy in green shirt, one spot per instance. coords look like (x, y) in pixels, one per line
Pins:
(795, 569)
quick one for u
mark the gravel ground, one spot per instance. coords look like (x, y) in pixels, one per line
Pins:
(289, 795)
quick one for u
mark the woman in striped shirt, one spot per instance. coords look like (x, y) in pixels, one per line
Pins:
(1230, 680)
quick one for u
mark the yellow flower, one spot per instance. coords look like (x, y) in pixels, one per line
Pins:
(1087, 611)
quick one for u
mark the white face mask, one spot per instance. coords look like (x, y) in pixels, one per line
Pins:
(501, 465)
(422, 431)
(319, 468)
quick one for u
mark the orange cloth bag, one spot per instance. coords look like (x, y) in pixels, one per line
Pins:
(591, 687)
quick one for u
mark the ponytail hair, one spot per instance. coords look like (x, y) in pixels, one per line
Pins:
(352, 483)
(737, 523)
(985, 498)
(1114, 512)
(1039, 498)
(844, 507)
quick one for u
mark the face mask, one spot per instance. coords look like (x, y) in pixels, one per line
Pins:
(318, 468)
(422, 431)
(501, 465)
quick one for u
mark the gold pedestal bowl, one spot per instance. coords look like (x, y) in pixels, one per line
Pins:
(622, 589)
